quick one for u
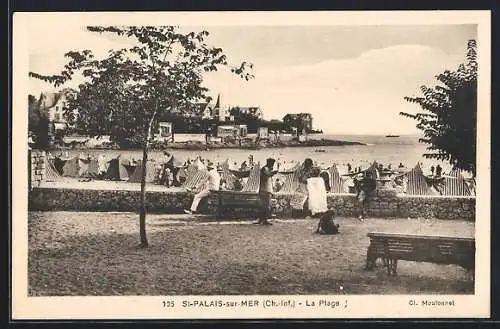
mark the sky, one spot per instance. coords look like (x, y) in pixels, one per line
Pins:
(352, 79)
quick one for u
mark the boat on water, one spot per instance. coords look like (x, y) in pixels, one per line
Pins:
(320, 150)
(392, 136)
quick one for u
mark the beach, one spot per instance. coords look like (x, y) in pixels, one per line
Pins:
(405, 149)
(92, 254)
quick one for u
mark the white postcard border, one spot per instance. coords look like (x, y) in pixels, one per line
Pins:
(349, 306)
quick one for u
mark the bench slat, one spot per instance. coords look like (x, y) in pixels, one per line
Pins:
(421, 237)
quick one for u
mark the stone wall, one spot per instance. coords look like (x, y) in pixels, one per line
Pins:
(383, 203)
(37, 160)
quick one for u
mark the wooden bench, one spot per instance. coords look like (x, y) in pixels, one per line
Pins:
(419, 248)
(227, 200)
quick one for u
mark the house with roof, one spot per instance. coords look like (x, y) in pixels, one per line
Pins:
(253, 111)
(51, 105)
(214, 111)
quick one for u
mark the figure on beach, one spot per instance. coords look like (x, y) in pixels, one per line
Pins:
(265, 191)
(326, 224)
(212, 184)
(277, 185)
(439, 171)
(316, 192)
(364, 185)
(306, 171)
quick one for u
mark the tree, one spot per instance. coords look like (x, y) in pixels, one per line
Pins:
(449, 116)
(33, 113)
(124, 92)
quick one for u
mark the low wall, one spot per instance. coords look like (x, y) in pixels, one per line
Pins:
(37, 167)
(384, 204)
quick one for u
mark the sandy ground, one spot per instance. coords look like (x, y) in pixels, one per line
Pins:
(76, 253)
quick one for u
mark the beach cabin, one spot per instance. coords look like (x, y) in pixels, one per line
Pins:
(263, 133)
(164, 132)
(232, 131)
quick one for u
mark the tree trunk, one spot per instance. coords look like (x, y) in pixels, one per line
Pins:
(142, 206)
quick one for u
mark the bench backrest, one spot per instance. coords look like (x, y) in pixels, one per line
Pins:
(238, 198)
(424, 248)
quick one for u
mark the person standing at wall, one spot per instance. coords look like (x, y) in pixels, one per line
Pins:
(265, 191)
(364, 184)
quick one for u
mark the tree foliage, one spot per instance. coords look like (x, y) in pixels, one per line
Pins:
(123, 93)
(449, 116)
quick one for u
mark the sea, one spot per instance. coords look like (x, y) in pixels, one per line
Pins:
(405, 149)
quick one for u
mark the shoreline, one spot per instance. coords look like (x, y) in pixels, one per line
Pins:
(201, 146)
(254, 146)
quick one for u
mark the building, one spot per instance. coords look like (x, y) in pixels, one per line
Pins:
(216, 111)
(300, 121)
(232, 131)
(230, 114)
(164, 132)
(263, 133)
(189, 110)
(51, 105)
(252, 111)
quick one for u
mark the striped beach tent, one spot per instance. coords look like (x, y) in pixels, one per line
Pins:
(299, 197)
(116, 169)
(59, 164)
(373, 169)
(253, 182)
(137, 174)
(417, 184)
(51, 173)
(196, 180)
(190, 172)
(293, 186)
(472, 185)
(92, 168)
(454, 184)
(227, 176)
(336, 182)
(291, 181)
(74, 167)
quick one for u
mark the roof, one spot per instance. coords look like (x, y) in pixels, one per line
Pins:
(250, 109)
(48, 100)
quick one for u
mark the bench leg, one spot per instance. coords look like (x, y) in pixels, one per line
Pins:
(394, 267)
(387, 265)
(219, 206)
(391, 265)
(370, 260)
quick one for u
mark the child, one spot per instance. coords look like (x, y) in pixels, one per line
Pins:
(169, 177)
(326, 224)
(277, 185)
